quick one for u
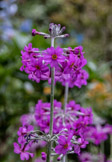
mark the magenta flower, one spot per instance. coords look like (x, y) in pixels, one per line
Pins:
(44, 156)
(78, 50)
(54, 56)
(98, 134)
(27, 54)
(81, 78)
(86, 157)
(27, 119)
(82, 142)
(22, 132)
(29, 48)
(34, 32)
(23, 154)
(77, 149)
(74, 63)
(38, 69)
(64, 145)
(73, 106)
(88, 115)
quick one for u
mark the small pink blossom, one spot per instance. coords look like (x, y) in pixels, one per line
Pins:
(64, 145)
(23, 154)
(54, 56)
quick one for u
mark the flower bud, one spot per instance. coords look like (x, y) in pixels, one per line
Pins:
(43, 155)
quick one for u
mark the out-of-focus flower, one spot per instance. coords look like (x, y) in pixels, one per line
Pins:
(47, 90)
(26, 26)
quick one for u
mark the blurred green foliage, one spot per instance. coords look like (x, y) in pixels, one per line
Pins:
(89, 23)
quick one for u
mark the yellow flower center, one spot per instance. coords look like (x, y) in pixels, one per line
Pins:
(54, 56)
(37, 67)
(72, 65)
(65, 146)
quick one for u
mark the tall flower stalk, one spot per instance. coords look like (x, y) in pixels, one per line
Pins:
(65, 130)
(52, 108)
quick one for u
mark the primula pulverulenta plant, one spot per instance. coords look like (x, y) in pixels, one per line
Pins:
(63, 129)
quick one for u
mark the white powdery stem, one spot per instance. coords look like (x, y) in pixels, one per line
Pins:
(66, 97)
(77, 113)
(52, 42)
(64, 159)
(52, 108)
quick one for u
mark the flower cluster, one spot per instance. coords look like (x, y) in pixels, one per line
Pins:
(75, 117)
(99, 133)
(65, 128)
(68, 64)
(69, 128)
(72, 130)
(75, 120)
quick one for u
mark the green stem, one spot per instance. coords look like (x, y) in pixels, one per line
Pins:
(102, 150)
(48, 152)
(52, 100)
(65, 102)
(65, 97)
(110, 147)
(49, 146)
